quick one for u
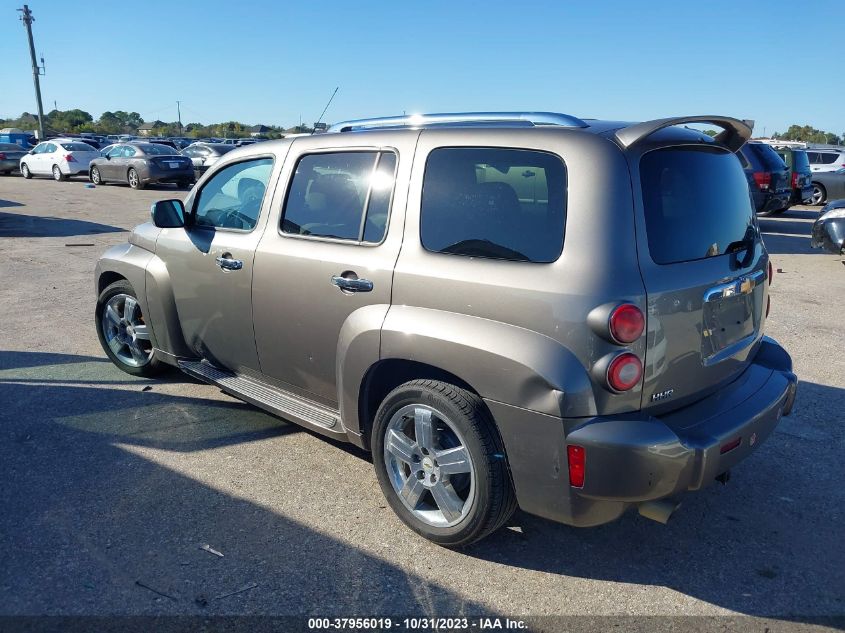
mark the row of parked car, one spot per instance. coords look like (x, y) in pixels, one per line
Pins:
(780, 176)
(137, 163)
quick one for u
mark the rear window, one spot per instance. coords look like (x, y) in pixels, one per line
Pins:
(157, 150)
(494, 203)
(828, 158)
(696, 203)
(77, 147)
(800, 162)
(767, 156)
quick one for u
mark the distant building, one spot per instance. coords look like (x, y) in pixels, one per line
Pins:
(146, 129)
(258, 130)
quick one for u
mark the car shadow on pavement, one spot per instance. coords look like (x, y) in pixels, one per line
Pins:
(789, 232)
(766, 544)
(21, 225)
(87, 516)
(9, 203)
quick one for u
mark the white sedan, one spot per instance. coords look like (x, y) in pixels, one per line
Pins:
(58, 157)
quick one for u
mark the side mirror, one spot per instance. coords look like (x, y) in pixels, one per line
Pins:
(829, 230)
(168, 214)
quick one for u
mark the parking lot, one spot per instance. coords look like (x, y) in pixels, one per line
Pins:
(112, 484)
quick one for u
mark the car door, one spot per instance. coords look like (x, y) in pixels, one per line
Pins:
(328, 256)
(43, 159)
(210, 260)
(108, 167)
(33, 157)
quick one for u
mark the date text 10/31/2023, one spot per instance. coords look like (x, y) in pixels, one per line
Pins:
(416, 624)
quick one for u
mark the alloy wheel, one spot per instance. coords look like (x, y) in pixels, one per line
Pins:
(429, 465)
(133, 178)
(125, 331)
(818, 195)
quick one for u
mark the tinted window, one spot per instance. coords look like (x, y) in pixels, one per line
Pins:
(329, 192)
(232, 197)
(767, 156)
(77, 147)
(828, 158)
(800, 161)
(157, 150)
(696, 203)
(494, 203)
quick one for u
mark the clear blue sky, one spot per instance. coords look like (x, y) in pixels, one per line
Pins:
(270, 62)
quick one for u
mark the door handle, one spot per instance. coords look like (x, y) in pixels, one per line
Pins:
(352, 284)
(226, 262)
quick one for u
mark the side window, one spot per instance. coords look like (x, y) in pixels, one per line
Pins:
(813, 157)
(129, 152)
(494, 203)
(343, 195)
(39, 149)
(232, 197)
(828, 158)
(188, 151)
(50, 148)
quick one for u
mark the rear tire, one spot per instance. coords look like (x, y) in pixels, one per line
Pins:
(25, 171)
(134, 179)
(96, 177)
(452, 503)
(58, 176)
(819, 196)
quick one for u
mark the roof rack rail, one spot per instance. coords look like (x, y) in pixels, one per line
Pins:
(534, 119)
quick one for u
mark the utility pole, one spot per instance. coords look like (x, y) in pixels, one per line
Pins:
(27, 19)
(179, 114)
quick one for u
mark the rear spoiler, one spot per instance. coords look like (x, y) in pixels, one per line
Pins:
(734, 135)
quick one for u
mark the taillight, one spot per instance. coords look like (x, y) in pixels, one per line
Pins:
(69, 158)
(577, 459)
(794, 179)
(763, 179)
(771, 272)
(624, 372)
(626, 323)
(2, 156)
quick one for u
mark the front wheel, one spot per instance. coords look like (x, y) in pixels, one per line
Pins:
(819, 194)
(134, 180)
(440, 463)
(25, 171)
(124, 332)
(58, 176)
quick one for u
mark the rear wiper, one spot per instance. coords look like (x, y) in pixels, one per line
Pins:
(745, 244)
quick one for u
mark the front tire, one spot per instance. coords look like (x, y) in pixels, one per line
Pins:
(58, 176)
(134, 179)
(440, 463)
(819, 194)
(124, 332)
(25, 171)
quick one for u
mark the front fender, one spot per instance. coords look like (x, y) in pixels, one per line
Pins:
(130, 262)
(501, 362)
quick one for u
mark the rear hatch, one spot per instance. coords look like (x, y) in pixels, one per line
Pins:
(769, 162)
(704, 269)
(801, 168)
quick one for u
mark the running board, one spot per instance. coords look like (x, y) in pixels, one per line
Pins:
(267, 397)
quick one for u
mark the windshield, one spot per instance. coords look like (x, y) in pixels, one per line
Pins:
(696, 203)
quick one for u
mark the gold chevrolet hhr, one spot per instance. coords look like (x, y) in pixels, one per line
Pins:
(505, 308)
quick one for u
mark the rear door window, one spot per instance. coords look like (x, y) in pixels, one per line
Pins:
(494, 203)
(696, 203)
(828, 158)
(341, 195)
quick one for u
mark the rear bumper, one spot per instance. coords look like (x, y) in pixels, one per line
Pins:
(766, 202)
(801, 194)
(634, 458)
(158, 174)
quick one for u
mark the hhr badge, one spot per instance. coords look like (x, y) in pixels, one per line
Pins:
(663, 395)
